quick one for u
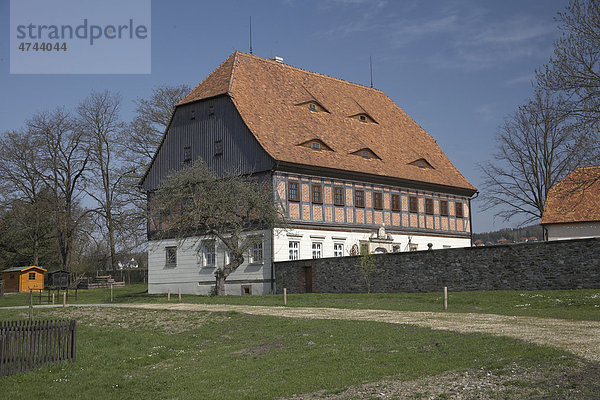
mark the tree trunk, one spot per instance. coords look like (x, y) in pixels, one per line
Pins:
(221, 275)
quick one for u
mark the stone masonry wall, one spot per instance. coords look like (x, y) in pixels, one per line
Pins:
(568, 264)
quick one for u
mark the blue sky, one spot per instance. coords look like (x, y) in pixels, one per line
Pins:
(458, 68)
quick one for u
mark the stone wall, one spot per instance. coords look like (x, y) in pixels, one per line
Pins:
(569, 264)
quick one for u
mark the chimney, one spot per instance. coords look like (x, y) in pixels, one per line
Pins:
(277, 59)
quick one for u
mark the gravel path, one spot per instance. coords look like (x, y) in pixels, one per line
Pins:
(578, 337)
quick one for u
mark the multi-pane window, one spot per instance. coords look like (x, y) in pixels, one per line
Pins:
(294, 250)
(187, 154)
(429, 206)
(218, 147)
(293, 192)
(315, 146)
(32, 276)
(316, 194)
(210, 253)
(413, 205)
(395, 202)
(377, 200)
(338, 249)
(171, 256)
(359, 198)
(444, 208)
(459, 209)
(316, 250)
(338, 196)
(256, 253)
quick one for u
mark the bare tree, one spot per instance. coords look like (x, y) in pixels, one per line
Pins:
(64, 157)
(194, 202)
(99, 120)
(152, 118)
(574, 70)
(537, 146)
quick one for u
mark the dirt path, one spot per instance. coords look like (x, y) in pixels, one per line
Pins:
(578, 337)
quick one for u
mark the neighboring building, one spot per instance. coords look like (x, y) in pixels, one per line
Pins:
(350, 168)
(59, 279)
(572, 209)
(22, 279)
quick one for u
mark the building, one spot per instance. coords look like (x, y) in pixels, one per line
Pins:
(350, 168)
(59, 279)
(23, 279)
(572, 209)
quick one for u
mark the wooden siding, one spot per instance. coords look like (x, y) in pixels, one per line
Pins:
(198, 126)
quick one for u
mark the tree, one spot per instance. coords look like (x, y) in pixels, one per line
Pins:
(98, 118)
(64, 158)
(574, 70)
(537, 146)
(194, 202)
(367, 267)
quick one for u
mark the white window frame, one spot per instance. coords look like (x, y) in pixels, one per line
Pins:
(294, 249)
(338, 249)
(209, 253)
(317, 250)
(257, 253)
(167, 261)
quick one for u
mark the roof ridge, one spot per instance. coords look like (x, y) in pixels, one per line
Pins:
(232, 73)
(309, 72)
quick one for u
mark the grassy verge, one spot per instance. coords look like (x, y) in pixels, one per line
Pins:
(130, 354)
(583, 304)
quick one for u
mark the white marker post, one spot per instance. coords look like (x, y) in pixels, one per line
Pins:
(284, 296)
(445, 297)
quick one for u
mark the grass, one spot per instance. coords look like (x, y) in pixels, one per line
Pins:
(130, 354)
(582, 304)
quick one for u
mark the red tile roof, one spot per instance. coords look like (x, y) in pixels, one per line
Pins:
(576, 198)
(271, 98)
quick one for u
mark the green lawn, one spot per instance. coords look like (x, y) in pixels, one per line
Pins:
(583, 304)
(131, 354)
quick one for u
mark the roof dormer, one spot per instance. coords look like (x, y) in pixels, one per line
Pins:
(366, 153)
(313, 105)
(316, 145)
(364, 117)
(421, 163)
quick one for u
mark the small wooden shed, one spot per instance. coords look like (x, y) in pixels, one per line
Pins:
(21, 279)
(58, 279)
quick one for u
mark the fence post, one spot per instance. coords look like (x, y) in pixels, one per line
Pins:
(169, 295)
(30, 304)
(445, 297)
(284, 296)
(52, 298)
(64, 299)
(180, 295)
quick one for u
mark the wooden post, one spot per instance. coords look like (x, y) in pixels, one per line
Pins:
(52, 298)
(180, 295)
(445, 297)
(64, 299)
(30, 304)
(169, 295)
(284, 296)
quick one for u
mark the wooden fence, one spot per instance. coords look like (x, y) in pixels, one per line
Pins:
(30, 344)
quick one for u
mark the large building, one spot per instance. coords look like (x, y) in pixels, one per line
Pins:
(572, 209)
(350, 168)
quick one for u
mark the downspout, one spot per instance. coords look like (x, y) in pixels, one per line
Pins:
(471, 216)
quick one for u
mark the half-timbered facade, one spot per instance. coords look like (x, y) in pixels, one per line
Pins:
(349, 168)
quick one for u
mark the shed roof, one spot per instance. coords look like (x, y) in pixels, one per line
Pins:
(576, 198)
(15, 269)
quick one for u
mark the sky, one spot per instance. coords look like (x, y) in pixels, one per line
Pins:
(458, 68)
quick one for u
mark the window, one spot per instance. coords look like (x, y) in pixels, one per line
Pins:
(256, 253)
(193, 115)
(412, 246)
(316, 195)
(395, 202)
(359, 198)
(413, 205)
(187, 154)
(211, 111)
(294, 250)
(218, 147)
(338, 196)
(365, 154)
(444, 207)
(315, 146)
(171, 256)
(293, 193)
(338, 249)
(32, 276)
(362, 118)
(377, 200)
(210, 253)
(458, 206)
(429, 206)
(312, 107)
(246, 290)
(316, 250)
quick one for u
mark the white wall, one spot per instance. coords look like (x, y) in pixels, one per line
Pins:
(573, 231)
(307, 236)
(193, 277)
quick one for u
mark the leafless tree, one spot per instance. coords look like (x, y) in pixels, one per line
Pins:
(537, 146)
(194, 202)
(574, 70)
(64, 158)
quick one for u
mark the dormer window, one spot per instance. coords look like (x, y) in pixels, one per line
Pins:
(312, 107)
(421, 163)
(366, 153)
(362, 118)
(316, 144)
